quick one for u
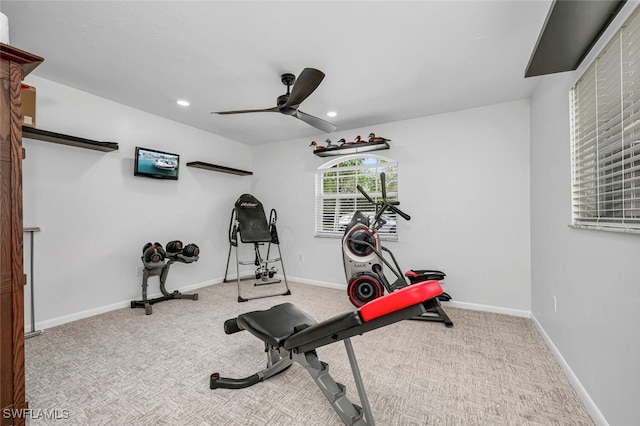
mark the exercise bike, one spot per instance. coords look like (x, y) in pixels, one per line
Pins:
(364, 262)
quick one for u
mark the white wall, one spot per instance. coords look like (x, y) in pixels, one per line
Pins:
(96, 216)
(592, 274)
(464, 179)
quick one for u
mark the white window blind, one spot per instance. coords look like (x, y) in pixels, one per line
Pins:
(605, 140)
(337, 198)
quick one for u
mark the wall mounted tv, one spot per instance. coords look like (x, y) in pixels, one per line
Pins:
(156, 164)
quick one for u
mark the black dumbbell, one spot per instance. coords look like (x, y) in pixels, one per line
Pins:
(153, 253)
(174, 247)
(191, 250)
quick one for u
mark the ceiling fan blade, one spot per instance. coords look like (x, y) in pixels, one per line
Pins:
(244, 111)
(308, 80)
(316, 122)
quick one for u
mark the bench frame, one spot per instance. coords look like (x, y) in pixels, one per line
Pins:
(310, 337)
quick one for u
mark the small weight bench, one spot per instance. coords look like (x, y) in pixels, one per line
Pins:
(290, 335)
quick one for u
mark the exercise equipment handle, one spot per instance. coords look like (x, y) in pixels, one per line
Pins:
(390, 205)
(359, 188)
(383, 184)
(385, 204)
(398, 211)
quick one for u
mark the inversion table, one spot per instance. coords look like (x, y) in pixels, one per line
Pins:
(290, 335)
(248, 220)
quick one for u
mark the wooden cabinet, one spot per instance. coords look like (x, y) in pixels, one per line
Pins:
(15, 64)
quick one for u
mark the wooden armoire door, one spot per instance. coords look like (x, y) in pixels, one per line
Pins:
(15, 64)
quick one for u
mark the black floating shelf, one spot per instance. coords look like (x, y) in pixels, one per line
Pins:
(44, 135)
(351, 149)
(216, 168)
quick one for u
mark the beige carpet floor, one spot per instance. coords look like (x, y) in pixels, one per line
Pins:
(127, 368)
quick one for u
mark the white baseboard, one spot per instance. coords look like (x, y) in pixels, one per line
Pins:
(488, 308)
(43, 325)
(197, 285)
(318, 283)
(584, 396)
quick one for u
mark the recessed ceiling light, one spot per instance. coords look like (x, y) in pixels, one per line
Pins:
(182, 102)
(332, 114)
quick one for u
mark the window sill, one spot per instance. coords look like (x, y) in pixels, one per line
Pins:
(605, 228)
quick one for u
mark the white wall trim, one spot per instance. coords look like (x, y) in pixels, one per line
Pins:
(488, 308)
(43, 325)
(198, 285)
(318, 283)
(584, 396)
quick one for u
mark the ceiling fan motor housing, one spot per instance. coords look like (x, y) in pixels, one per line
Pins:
(282, 101)
(288, 80)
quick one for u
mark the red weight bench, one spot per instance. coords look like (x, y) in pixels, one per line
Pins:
(290, 335)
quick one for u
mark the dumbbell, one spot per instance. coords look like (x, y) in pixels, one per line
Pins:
(153, 254)
(174, 248)
(190, 253)
(191, 250)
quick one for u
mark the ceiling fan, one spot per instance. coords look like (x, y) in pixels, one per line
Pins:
(308, 80)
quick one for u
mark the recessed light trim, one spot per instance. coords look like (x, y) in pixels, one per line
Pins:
(182, 102)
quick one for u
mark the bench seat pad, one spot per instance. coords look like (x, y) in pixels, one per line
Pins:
(276, 324)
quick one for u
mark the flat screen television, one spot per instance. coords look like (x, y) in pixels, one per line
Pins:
(156, 164)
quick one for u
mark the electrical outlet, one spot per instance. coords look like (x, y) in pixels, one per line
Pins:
(300, 258)
(555, 304)
(139, 271)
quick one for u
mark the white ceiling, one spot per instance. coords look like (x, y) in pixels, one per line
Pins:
(384, 60)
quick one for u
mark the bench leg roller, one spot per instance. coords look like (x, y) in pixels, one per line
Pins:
(231, 326)
(216, 382)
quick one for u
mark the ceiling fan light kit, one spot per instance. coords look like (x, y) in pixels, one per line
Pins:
(297, 91)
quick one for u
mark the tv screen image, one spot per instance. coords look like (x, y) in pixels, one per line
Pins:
(156, 164)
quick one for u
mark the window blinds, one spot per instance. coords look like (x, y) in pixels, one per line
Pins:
(605, 145)
(337, 198)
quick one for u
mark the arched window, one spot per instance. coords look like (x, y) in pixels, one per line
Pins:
(337, 198)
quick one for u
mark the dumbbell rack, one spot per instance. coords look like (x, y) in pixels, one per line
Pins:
(162, 271)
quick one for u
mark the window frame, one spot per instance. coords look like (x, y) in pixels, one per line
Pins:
(329, 222)
(605, 136)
